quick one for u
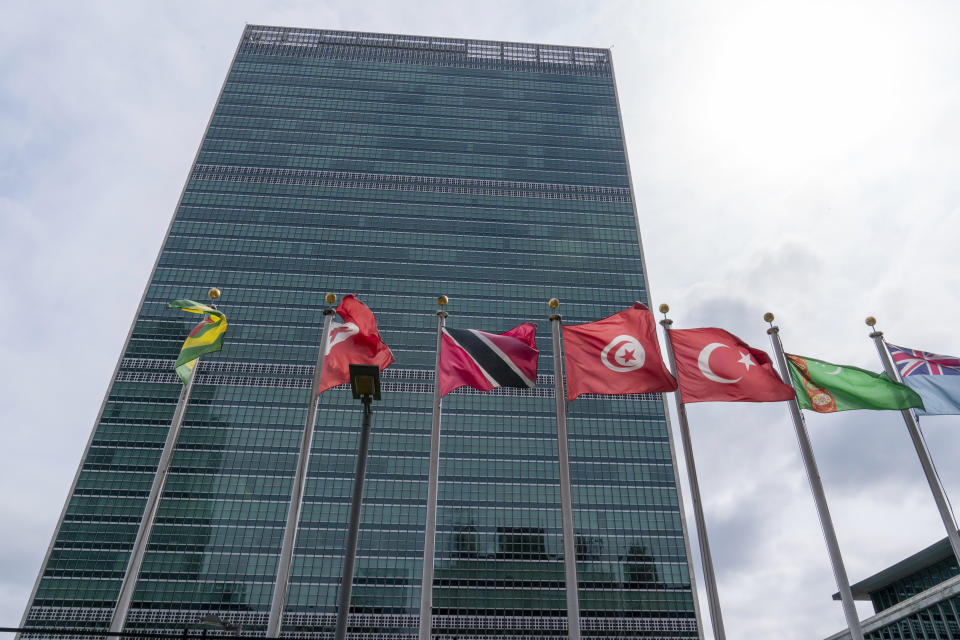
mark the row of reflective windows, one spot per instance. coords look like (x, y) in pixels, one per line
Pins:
(359, 70)
(597, 139)
(202, 202)
(425, 96)
(579, 136)
(534, 238)
(427, 78)
(436, 167)
(575, 115)
(350, 244)
(389, 147)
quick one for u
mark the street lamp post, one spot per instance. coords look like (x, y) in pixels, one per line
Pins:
(365, 384)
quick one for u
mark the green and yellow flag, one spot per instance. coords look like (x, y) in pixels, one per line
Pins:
(825, 387)
(206, 337)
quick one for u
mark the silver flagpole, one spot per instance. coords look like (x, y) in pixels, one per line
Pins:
(566, 500)
(816, 487)
(709, 579)
(939, 496)
(132, 574)
(279, 600)
(150, 510)
(430, 531)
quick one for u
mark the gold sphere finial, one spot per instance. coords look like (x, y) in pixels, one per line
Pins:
(664, 308)
(870, 321)
(442, 300)
(330, 298)
(768, 317)
(214, 293)
(553, 303)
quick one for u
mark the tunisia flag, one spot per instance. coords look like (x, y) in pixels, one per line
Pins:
(619, 354)
(355, 341)
(714, 365)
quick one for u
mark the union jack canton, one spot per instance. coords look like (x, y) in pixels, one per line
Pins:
(915, 362)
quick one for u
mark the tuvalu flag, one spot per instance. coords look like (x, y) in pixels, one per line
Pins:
(618, 354)
(825, 387)
(206, 337)
(355, 341)
(936, 378)
(486, 361)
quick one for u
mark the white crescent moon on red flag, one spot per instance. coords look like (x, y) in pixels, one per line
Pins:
(704, 363)
(623, 353)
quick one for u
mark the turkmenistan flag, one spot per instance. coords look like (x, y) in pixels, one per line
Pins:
(206, 337)
(826, 387)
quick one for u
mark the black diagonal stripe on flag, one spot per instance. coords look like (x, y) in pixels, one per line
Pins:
(488, 359)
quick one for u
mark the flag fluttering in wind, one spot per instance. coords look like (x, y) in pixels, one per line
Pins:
(206, 337)
(618, 354)
(934, 377)
(825, 387)
(714, 365)
(486, 361)
(355, 341)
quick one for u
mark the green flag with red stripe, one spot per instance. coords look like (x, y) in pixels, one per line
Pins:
(206, 337)
(825, 387)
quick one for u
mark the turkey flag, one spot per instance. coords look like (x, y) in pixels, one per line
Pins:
(714, 365)
(619, 354)
(356, 341)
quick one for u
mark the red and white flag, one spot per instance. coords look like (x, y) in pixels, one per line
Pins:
(486, 361)
(714, 365)
(619, 354)
(355, 341)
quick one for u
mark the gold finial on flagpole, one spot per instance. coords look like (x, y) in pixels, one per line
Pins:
(214, 293)
(664, 308)
(553, 303)
(871, 321)
(768, 317)
(330, 298)
(442, 300)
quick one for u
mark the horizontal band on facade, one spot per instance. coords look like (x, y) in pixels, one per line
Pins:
(399, 182)
(453, 52)
(179, 617)
(287, 383)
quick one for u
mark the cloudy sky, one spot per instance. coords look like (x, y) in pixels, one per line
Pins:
(799, 158)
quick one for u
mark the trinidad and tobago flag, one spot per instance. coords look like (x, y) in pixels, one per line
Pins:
(486, 361)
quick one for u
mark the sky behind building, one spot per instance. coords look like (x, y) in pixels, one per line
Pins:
(799, 159)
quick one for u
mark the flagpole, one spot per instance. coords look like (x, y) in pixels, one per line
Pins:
(913, 428)
(709, 578)
(150, 511)
(566, 499)
(127, 587)
(430, 532)
(816, 487)
(281, 584)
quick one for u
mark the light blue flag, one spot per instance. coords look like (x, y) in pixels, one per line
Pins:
(934, 377)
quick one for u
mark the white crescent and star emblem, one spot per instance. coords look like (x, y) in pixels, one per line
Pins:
(339, 333)
(703, 362)
(623, 353)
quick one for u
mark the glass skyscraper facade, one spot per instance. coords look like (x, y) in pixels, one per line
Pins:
(398, 168)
